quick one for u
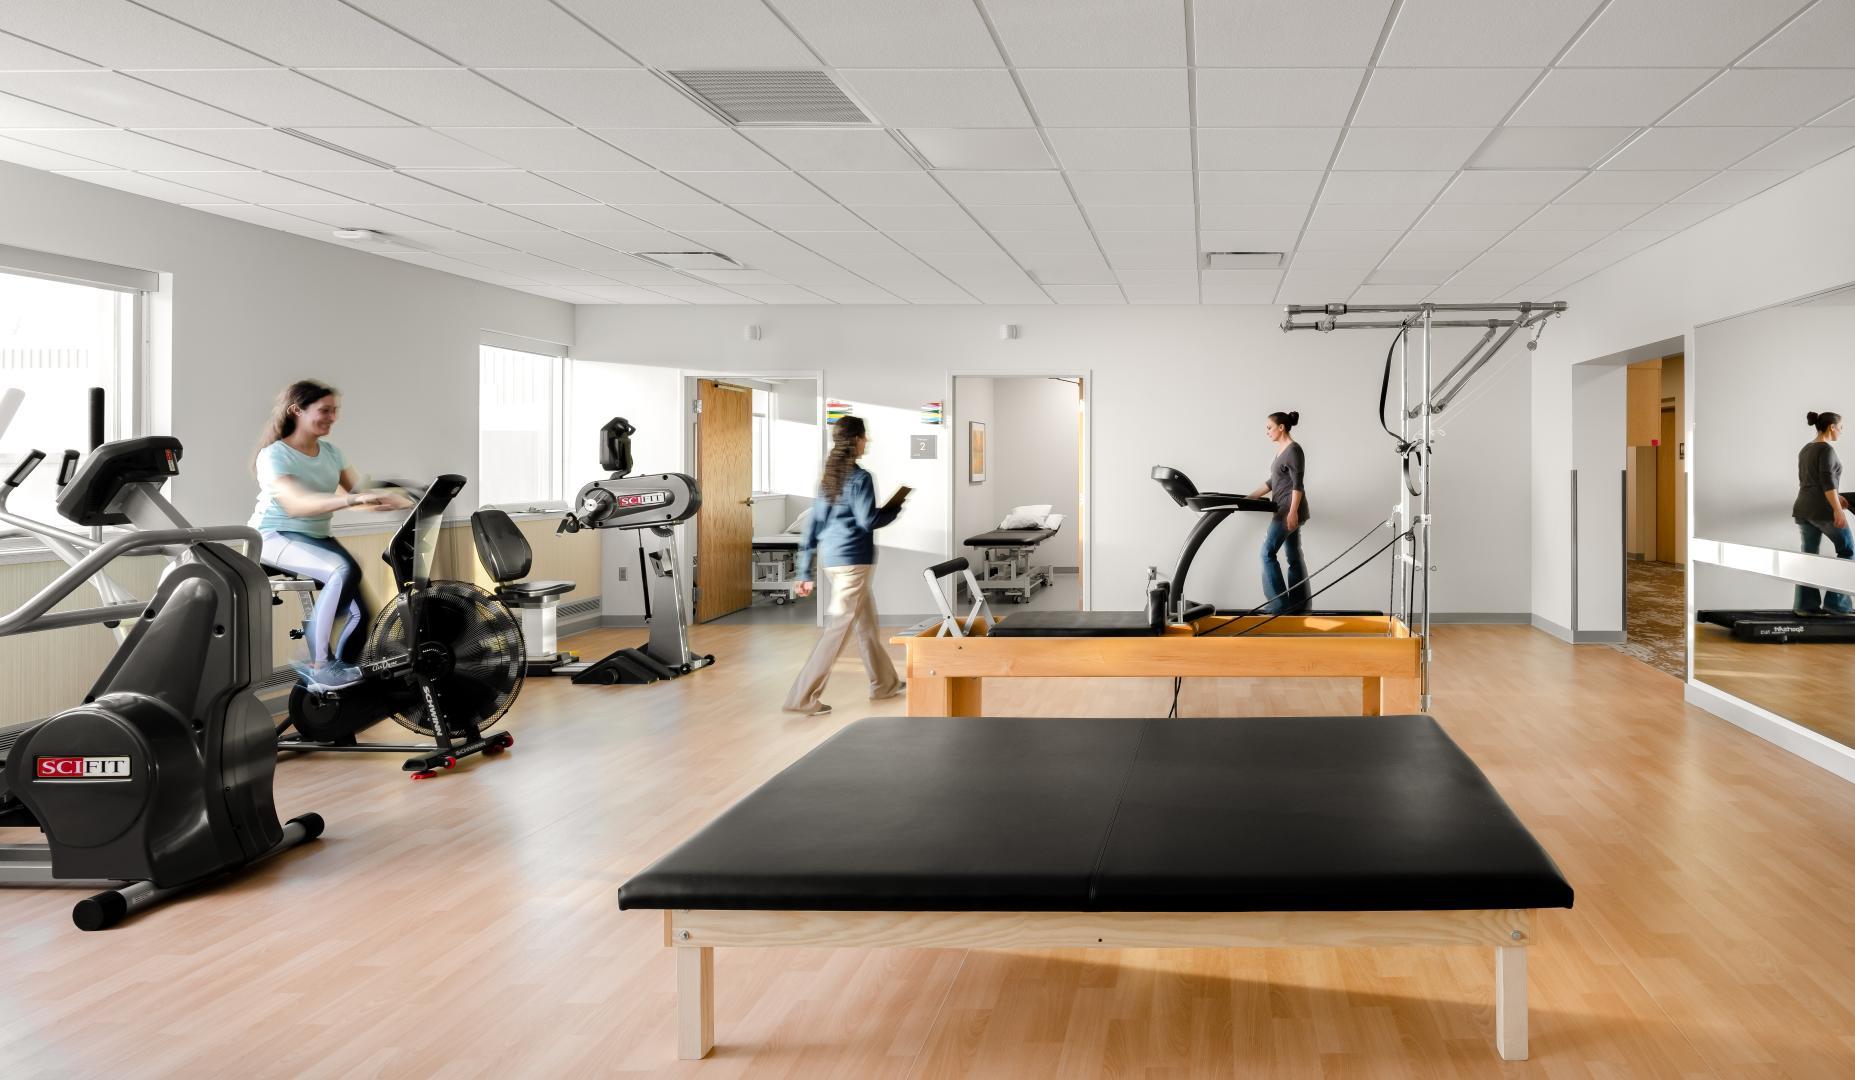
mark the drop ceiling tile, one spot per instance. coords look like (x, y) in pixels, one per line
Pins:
(499, 185)
(1153, 260)
(577, 217)
(142, 184)
(1383, 187)
(944, 240)
(1549, 147)
(1438, 264)
(1564, 241)
(779, 294)
(19, 113)
(446, 242)
(1081, 268)
(1563, 215)
(1676, 216)
(1132, 188)
(1607, 96)
(470, 217)
(1257, 187)
(755, 187)
(1525, 262)
(112, 98)
(1450, 239)
(647, 278)
(1091, 33)
(18, 54)
(1389, 294)
(271, 96)
(1510, 33)
(628, 187)
(1408, 278)
(451, 265)
(1476, 215)
(1159, 279)
(1348, 240)
(1630, 241)
(1109, 97)
(1319, 284)
(1006, 188)
(1440, 97)
(881, 188)
(1408, 148)
(409, 147)
(894, 33)
(1365, 215)
(599, 99)
(1264, 216)
(859, 293)
(354, 216)
(1130, 240)
(690, 149)
(1802, 149)
(122, 149)
(1248, 239)
(981, 148)
(1638, 187)
(256, 148)
(583, 253)
(1335, 260)
(975, 266)
(1734, 186)
(40, 157)
(1587, 262)
(1309, 33)
(267, 217)
(1515, 186)
(732, 278)
(1843, 116)
(446, 97)
(247, 186)
(1276, 97)
(498, 33)
(1239, 149)
(1029, 217)
(939, 98)
(117, 34)
(1118, 216)
(789, 216)
(302, 33)
(543, 148)
(1692, 147)
(834, 151)
(1818, 38)
(1155, 294)
(1694, 33)
(949, 216)
(1772, 96)
(1104, 149)
(1047, 241)
(1084, 294)
(1216, 293)
(678, 217)
(707, 35)
(640, 240)
(376, 186)
(1472, 285)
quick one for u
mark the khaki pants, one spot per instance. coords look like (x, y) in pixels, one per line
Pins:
(853, 617)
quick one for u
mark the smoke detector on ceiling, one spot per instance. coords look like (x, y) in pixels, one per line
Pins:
(690, 260)
(359, 236)
(772, 98)
(1242, 260)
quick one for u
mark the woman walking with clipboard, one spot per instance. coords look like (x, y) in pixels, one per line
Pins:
(841, 537)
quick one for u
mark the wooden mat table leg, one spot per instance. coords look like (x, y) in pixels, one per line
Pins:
(1510, 1002)
(1391, 697)
(695, 1002)
(932, 695)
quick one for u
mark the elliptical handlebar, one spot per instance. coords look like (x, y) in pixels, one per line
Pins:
(32, 616)
(22, 470)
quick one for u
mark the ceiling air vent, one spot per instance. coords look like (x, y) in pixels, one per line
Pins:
(690, 260)
(1242, 260)
(771, 98)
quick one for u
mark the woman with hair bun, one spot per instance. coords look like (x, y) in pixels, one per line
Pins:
(1821, 511)
(1284, 488)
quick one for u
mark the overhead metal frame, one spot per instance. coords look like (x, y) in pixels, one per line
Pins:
(1410, 569)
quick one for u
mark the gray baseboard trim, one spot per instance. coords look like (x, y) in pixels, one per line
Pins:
(1492, 618)
(1577, 637)
(1546, 625)
(580, 621)
(1818, 750)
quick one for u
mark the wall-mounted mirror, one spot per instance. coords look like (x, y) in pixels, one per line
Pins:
(1748, 644)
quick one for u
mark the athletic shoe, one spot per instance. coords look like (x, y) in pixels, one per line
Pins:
(820, 709)
(900, 689)
(329, 675)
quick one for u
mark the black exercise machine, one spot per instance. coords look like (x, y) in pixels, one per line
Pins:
(161, 779)
(1779, 627)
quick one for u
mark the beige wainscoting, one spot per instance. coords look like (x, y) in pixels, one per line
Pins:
(42, 673)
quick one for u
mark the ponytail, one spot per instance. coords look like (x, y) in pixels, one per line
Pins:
(843, 456)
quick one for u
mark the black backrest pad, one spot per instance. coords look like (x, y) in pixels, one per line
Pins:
(1337, 813)
(110, 468)
(505, 552)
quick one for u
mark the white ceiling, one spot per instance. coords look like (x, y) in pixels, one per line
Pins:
(1030, 151)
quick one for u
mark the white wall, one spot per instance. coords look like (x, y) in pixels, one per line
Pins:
(1180, 386)
(250, 309)
(975, 506)
(1036, 437)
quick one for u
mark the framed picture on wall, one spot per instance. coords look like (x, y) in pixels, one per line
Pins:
(975, 452)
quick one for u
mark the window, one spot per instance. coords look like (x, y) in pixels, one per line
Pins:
(57, 340)
(519, 405)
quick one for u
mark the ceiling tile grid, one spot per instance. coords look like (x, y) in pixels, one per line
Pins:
(1018, 151)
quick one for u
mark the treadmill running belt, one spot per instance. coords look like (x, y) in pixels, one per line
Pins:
(1777, 627)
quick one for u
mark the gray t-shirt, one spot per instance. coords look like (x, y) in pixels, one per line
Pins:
(1285, 478)
(1818, 470)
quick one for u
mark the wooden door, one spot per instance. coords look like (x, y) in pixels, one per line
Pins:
(1665, 480)
(725, 525)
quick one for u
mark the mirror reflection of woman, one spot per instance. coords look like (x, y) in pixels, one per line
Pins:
(1821, 512)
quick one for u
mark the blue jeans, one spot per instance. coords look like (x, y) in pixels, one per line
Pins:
(1809, 600)
(1283, 598)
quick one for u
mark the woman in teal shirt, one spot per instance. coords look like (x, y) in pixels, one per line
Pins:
(302, 480)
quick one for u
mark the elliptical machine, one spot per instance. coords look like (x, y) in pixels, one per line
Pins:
(639, 504)
(162, 778)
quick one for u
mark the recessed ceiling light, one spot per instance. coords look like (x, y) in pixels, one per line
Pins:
(1242, 260)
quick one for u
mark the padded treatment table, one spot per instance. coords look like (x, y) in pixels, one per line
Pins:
(1093, 833)
(776, 565)
(1777, 627)
(1005, 561)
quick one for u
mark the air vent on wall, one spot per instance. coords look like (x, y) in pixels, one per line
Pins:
(690, 260)
(1242, 260)
(772, 98)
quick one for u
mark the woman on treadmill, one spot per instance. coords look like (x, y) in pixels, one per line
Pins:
(302, 480)
(1284, 488)
(1821, 511)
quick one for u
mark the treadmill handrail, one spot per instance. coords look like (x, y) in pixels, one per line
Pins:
(32, 616)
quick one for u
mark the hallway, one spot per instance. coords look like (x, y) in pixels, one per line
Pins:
(1656, 618)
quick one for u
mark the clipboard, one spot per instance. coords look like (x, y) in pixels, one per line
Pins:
(896, 500)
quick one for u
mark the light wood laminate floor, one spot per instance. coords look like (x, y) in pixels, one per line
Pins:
(467, 927)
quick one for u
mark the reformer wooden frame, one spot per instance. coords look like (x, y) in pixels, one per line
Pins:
(944, 673)
(695, 935)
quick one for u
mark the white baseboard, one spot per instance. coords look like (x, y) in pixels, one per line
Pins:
(1817, 749)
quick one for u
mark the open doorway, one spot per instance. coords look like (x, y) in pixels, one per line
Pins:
(1020, 492)
(756, 442)
(1655, 516)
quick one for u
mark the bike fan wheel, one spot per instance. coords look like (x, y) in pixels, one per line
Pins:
(471, 651)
